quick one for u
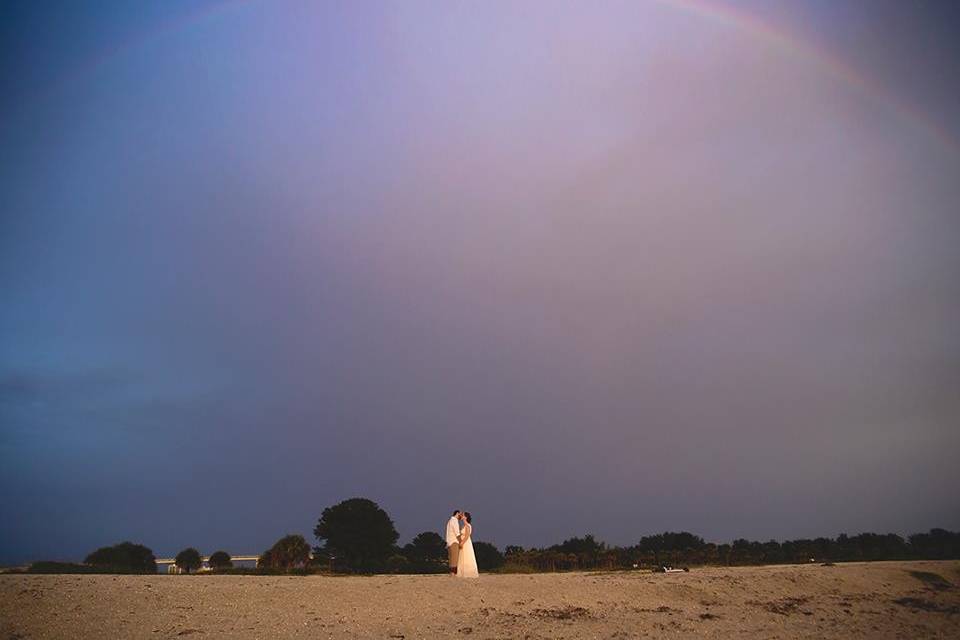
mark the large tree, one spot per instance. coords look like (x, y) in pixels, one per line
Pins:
(357, 532)
(188, 560)
(125, 557)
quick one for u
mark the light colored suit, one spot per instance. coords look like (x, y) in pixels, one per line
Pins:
(453, 530)
(453, 545)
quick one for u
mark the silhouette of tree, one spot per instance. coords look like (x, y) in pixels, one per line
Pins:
(685, 548)
(935, 544)
(358, 532)
(426, 552)
(124, 557)
(289, 552)
(265, 561)
(188, 560)
(488, 556)
(220, 560)
(584, 545)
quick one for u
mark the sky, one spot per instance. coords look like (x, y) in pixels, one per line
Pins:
(612, 268)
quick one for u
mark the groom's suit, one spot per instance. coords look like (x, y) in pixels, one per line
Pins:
(453, 545)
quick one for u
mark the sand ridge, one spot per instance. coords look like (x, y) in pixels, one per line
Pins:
(870, 600)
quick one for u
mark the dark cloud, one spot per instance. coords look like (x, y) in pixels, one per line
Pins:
(625, 271)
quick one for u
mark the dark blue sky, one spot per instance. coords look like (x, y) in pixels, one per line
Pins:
(613, 268)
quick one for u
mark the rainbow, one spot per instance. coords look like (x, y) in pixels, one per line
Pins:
(787, 43)
(714, 11)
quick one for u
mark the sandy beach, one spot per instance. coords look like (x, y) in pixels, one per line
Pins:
(873, 600)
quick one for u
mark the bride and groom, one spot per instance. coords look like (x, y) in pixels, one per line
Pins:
(463, 562)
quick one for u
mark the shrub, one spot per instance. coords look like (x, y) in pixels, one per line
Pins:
(125, 557)
(397, 564)
(46, 566)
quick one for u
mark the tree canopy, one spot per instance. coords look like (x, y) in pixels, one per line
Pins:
(426, 552)
(124, 557)
(188, 560)
(220, 560)
(289, 552)
(670, 541)
(358, 533)
(586, 544)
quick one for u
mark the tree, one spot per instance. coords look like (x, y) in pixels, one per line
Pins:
(671, 541)
(488, 556)
(358, 532)
(124, 557)
(426, 551)
(289, 552)
(220, 560)
(188, 559)
(937, 543)
(265, 561)
(584, 545)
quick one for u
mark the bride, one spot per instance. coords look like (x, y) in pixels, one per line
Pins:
(467, 562)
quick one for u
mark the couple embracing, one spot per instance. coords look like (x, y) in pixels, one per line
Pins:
(463, 563)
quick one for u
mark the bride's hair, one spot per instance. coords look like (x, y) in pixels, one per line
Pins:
(466, 514)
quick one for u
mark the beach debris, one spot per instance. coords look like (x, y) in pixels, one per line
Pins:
(669, 569)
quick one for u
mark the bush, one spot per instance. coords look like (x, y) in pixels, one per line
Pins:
(188, 560)
(46, 566)
(398, 564)
(125, 557)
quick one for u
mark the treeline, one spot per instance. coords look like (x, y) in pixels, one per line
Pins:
(358, 536)
(683, 549)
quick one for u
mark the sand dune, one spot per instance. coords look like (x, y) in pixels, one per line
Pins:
(871, 600)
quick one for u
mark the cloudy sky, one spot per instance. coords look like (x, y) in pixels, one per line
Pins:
(617, 268)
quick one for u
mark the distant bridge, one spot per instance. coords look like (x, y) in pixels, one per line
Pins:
(206, 559)
(171, 563)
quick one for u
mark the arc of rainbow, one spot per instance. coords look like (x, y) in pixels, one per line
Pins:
(709, 10)
(784, 41)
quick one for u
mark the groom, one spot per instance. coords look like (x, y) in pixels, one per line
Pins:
(453, 540)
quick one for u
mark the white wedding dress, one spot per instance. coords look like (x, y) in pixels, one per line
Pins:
(467, 562)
